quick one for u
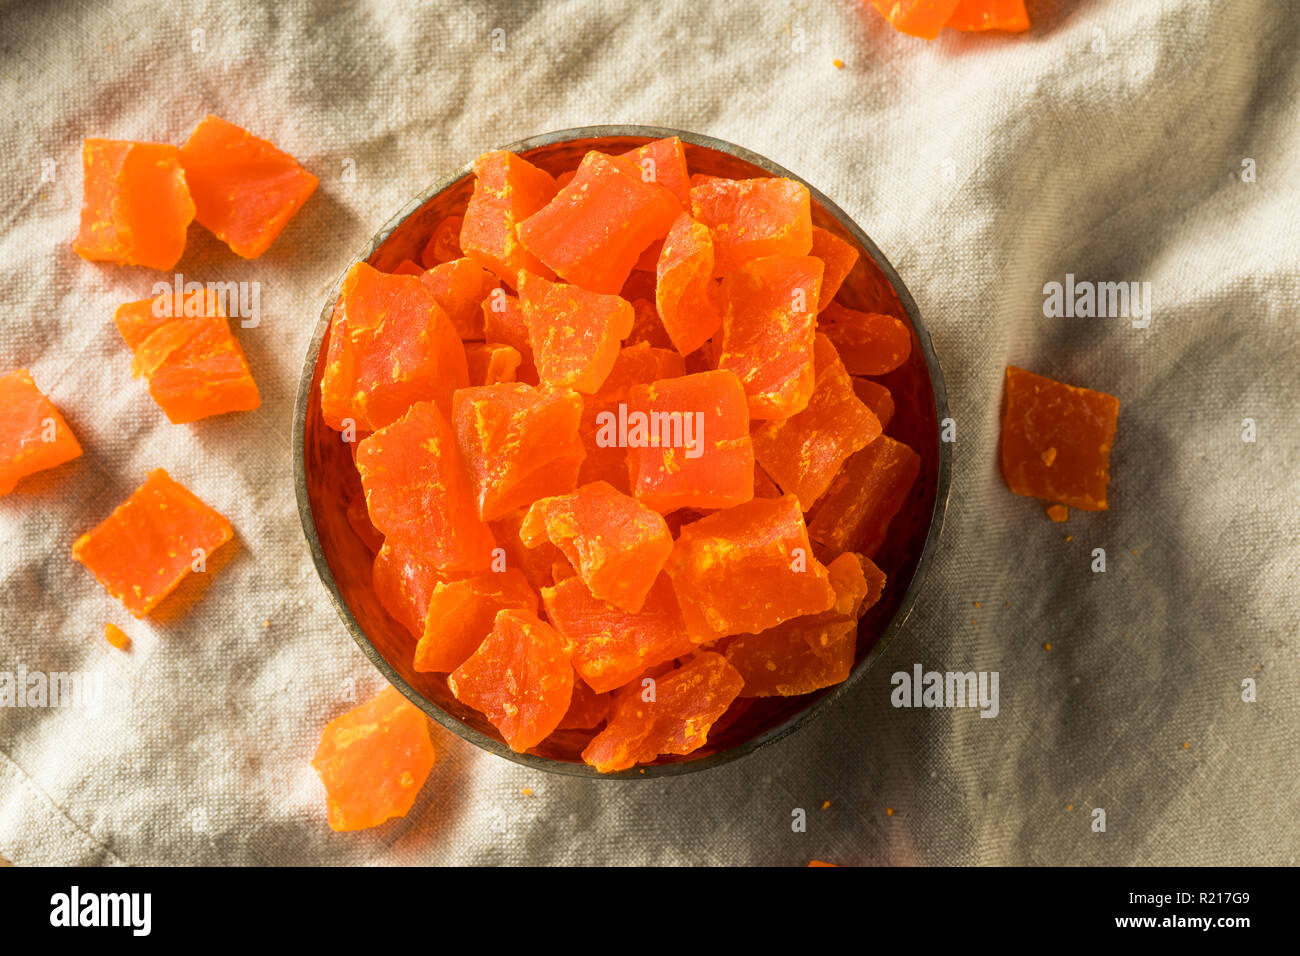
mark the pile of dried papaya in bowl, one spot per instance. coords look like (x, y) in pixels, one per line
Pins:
(619, 451)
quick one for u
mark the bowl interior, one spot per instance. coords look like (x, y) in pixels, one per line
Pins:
(327, 479)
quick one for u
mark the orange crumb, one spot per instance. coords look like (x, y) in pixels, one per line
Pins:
(837, 63)
(267, 622)
(821, 863)
(1135, 553)
(826, 805)
(1049, 456)
(1069, 538)
(116, 636)
(1069, 806)
(1058, 513)
(1184, 744)
(527, 791)
(1047, 646)
(889, 811)
(977, 604)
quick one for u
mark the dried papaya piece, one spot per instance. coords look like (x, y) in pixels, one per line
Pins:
(417, 490)
(535, 563)
(373, 760)
(404, 581)
(687, 701)
(409, 267)
(615, 543)
(520, 678)
(504, 324)
(444, 244)
(460, 286)
(33, 434)
(869, 343)
(245, 190)
(877, 398)
(461, 614)
(151, 541)
(136, 206)
(977, 15)
(592, 233)
(768, 330)
(491, 363)
(688, 301)
(747, 568)
(575, 333)
(918, 18)
(507, 190)
(638, 364)
(688, 441)
(839, 257)
(664, 161)
(184, 348)
(855, 512)
(390, 345)
(520, 443)
(1056, 440)
(753, 218)
(587, 709)
(611, 646)
(808, 653)
(804, 452)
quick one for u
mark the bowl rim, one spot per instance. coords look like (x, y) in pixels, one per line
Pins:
(675, 768)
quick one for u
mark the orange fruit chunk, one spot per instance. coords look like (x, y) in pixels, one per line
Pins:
(520, 678)
(611, 646)
(507, 190)
(444, 244)
(417, 490)
(689, 443)
(504, 324)
(768, 330)
(868, 342)
(839, 257)
(647, 327)
(687, 701)
(194, 365)
(638, 364)
(245, 190)
(373, 760)
(587, 709)
(918, 18)
(877, 398)
(151, 541)
(116, 636)
(520, 443)
(33, 435)
(989, 15)
(596, 227)
(747, 568)
(136, 206)
(575, 333)
(461, 613)
(1056, 440)
(391, 345)
(686, 296)
(804, 452)
(408, 267)
(491, 363)
(404, 582)
(807, 653)
(753, 218)
(535, 563)
(855, 512)
(460, 286)
(615, 543)
(664, 161)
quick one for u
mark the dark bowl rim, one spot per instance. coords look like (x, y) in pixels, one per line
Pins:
(675, 768)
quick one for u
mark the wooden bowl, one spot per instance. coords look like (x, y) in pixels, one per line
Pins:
(326, 479)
